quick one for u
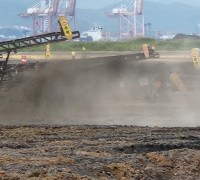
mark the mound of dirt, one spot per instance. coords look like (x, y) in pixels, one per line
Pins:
(185, 36)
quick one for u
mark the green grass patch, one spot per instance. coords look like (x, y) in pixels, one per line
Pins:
(128, 45)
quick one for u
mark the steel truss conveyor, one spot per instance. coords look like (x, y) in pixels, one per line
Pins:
(14, 45)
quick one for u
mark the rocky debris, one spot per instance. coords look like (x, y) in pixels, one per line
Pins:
(99, 152)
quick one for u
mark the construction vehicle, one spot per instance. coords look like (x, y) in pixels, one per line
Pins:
(149, 52)
(14, 45)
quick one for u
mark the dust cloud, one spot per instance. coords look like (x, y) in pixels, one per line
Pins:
(104, 93)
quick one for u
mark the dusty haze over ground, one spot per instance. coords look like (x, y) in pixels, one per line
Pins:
(100, 93)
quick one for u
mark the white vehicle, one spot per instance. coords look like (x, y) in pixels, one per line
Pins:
(94, 34)
(166, 37)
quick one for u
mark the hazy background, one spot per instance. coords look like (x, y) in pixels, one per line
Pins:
(175, 16)
(86, 4)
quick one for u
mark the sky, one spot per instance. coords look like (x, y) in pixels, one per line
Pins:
(95, 4)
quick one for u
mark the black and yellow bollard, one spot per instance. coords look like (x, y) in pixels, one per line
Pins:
(47, 53)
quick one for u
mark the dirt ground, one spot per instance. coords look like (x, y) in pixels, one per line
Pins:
(102, 119)
(99, 152)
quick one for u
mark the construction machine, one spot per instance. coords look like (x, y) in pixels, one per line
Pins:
(7, 47)
(149, 52)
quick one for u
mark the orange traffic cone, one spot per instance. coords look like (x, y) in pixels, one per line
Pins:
(23, 60)
(153, 47)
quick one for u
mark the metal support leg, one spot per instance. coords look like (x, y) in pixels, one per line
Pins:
(5, 66)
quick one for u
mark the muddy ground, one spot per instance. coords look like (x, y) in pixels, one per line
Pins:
(102, 119)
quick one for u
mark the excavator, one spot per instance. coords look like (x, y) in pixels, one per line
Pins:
(149, 52)
(7, 47)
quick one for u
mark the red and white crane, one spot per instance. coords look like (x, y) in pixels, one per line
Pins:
(130, 16)
(46, 12)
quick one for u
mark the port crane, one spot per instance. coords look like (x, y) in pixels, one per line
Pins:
(64, 34)
(130, 15)
(45, 13)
